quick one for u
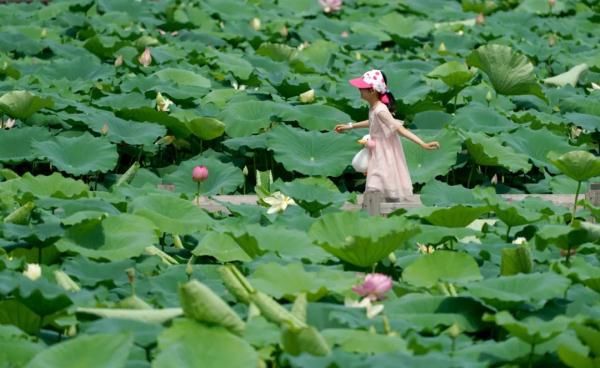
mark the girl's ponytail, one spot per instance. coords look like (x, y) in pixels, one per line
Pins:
(391, 104)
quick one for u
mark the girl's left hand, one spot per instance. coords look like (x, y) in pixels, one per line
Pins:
(431, 145)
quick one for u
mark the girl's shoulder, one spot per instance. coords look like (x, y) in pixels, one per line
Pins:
(380, 106)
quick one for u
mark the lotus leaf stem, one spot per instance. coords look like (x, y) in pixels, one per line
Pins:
(575, 203)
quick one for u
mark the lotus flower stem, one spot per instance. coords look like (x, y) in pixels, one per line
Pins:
(198, 192)
(531, 352)
(575, 203)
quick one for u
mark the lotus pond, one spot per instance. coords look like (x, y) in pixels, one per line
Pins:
(119, 117)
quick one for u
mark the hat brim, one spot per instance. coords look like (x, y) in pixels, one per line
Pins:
(359, 83)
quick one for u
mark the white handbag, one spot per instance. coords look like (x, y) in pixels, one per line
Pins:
(360, 162)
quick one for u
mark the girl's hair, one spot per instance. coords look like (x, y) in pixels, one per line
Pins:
(392, 104)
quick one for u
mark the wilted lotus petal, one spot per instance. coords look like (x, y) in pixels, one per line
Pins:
(374, 286)
(162, 103)
(146, 57)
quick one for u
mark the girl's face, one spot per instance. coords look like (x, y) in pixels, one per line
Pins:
(367, 94)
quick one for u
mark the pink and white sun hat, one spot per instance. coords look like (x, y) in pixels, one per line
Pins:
(372, 79)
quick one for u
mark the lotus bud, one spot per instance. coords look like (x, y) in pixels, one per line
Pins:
(308, 96)
(283, 31)
(344, 34)
(119, 61)
(166, 140)
(245, 170)
(33, 271)
(20, 215)
(104, 130)
(189, 268)
(200, 173)
(454, 330)
(480, 19)
(489, 96)
(255, 24)
(460, 32)
(374, 286)
(551, 3)
(358, 55)
(551, 40)
(162, 103)
(44, 33)
(494, 179)
(442, 49)
(177, 241)
(130, 275)
(146, 57)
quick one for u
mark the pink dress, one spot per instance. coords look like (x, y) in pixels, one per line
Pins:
(387, 171)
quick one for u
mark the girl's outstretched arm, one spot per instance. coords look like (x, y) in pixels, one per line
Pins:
(413, 137)
(343, 127)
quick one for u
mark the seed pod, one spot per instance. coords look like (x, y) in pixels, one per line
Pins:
(64, 281)
(20, 215)
(128, 175)
(274, 312)
(305, 340)
(233, 284)
(200, 303)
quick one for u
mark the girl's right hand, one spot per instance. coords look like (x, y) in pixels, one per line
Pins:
(431, 145)
(341, 128)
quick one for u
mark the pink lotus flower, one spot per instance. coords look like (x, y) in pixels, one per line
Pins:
(146, 57)
(331, 5)
(374, 286)
(200, 173)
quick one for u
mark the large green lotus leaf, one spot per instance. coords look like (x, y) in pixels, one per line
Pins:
(118, 130)
(316, 58)
(202, 127)
(434, 235)
(586, 121)
(489, 151)
(542, 7)
(312, 153)
(171, 214)
(144, 333)
(581, 271)
(41, 296)
(101, 350)
(438, 193)
(285, 241)
(292, 279)
(532, 330)
(15, 144)
(441, 266)
(247, 117)
(453, 73)
(405, 28)
(182, 77)
(176, 127)
(575, 359)
(569, 77)
(23, 104)
(425, 165)
(79, 155)
(431, 119)
(408, 87)
(428, 312)
(510, 73)
(236, 64)
(222, 247)
(515, 214)
(120, 101)
(222, 178)
(456, 216)
(365, 342)
(54, 185)
(82, 70)
(479, 118)
(521, 288)
(360, 240)
(316, 117)
(536, 144)
(17, 347)
(313, 193)
(187, 343)
(114, 238)
(578, 165)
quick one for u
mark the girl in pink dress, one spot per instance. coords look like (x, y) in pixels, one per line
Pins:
(387, 169)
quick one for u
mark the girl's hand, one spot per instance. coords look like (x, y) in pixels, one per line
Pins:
(431, 145)
(341, 128)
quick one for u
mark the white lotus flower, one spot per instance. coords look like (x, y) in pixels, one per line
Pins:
(162, 103)
(595, 86)
(9, 123)
(520, 240)
(373, 309)
(308, 96)
(425, 249)
(278, 202)
(33, 271)
(119, 60)
(255, 24)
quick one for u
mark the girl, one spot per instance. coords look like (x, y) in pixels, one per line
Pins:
(387, 171)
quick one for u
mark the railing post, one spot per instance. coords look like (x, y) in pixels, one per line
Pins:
(593, 195)
(372, 203)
